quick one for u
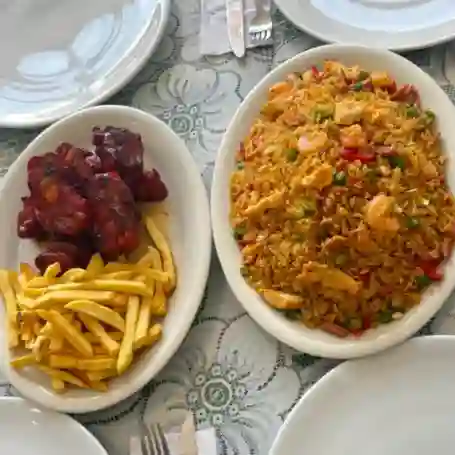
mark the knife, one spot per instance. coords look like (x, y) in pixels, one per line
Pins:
(236, 33)
(187, 440)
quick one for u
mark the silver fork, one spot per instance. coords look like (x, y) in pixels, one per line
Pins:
(153, 441)
(260, 26)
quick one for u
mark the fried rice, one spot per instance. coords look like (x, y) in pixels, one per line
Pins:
(339, 202)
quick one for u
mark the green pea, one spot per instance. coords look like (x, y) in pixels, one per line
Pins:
(293, 315)
(412, 111)
(292, 154)
(385, 316)
(357, 87)
(412, 222)
(429, 116)
(355, 324)
(422, 281)
(239, 232)
(240, 165)
(363, 75)
(341, 259)
(244, 271)
(322, 112)
(339, 178)
(397, 161)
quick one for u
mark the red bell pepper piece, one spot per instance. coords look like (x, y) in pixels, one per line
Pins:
(351, 154)
(430, 269)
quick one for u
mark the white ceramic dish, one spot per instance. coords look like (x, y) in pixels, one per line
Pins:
(189, 224)
(397, 403)
(28, 430)
(387, 24)
(295, 334)
(67, 55)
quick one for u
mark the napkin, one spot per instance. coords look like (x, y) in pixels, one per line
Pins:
(205, 441)
(213, 35)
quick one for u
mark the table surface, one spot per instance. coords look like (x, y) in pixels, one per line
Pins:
(232, 375)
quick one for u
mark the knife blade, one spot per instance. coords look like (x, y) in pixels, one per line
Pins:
(187, 440)
(235, 25)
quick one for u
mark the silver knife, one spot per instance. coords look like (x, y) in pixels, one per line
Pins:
(236, 33)
(187, 440)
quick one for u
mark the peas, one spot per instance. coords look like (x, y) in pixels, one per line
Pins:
(306, 207)
(339, 178)
(397, 161)
(422, 281)
(363, 75)
(341, 259)
(385, 317)
(430, 117)
(426, 120)
(322, 112)
(354, 324)
(412, 222)
(357, 87)
(412, 111)
(293, 315)
(239, 232)
(292, 154)
(240, 165)
(244, 271)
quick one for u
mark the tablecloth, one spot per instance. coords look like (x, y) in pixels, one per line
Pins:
(229, 372)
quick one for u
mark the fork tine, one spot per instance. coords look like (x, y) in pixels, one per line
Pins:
(162, 440)
(145, 439)
(156, 440)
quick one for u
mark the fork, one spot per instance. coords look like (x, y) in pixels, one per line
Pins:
(153, 441)
(260, 27)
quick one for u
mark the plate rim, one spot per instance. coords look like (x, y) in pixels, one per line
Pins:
(340, 369)
(27, 404)
(146, 50)
(337, 39)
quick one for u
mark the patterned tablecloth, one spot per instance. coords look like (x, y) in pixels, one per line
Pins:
(232, 375)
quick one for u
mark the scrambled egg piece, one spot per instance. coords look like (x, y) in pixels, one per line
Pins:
(314, 272)
(282, 300)
(320, 178)
(380, 79)
(269, 202)
(348, 112)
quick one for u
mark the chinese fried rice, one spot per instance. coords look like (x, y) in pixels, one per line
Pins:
(339, 203)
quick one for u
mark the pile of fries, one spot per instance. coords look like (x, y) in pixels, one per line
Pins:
(85, 327)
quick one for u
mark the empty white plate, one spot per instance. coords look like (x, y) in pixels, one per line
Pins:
(28, 430)
(401, 402)
(388, 24)
(58, 56)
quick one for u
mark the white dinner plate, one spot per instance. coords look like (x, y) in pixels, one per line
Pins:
(28, 430)
(401, 402)
(189, 237)
(389, 24)
(58, 56)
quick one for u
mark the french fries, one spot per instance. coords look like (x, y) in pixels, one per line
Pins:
(125, 356)
(11, 308)
(83, 328)
(161, 243)
(98, 311)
